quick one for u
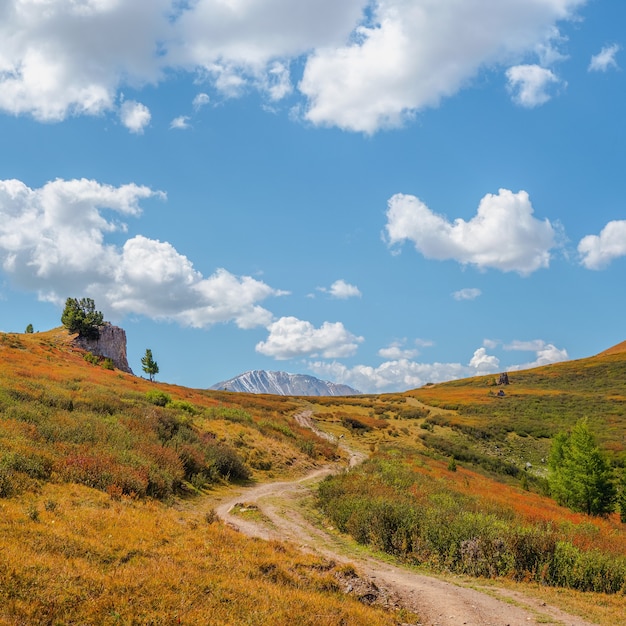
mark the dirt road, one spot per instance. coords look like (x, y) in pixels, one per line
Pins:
(274, 512)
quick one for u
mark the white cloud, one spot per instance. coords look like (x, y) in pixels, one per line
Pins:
(290, 337)
(367, 65)
(598, 251)
(402, 373)
(397, 351)
(467, 294)
(605, 59)
(278, 82)
(546, 353)
(525, 346)
(180, 123)
(530, 84)
(414, 53)
(201, 100)
(53, 241)
(135, 116)
(342, 290)
(396, 375)
(483, 362)
(503, 234)
(59, 58)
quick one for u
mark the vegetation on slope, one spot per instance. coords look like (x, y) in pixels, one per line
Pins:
(73, 555)
(102, 518)
(63, 420)
(94, 462)
(459, 477)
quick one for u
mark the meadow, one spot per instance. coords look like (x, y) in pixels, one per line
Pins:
(107, 482)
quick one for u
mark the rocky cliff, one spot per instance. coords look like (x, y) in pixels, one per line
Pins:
(111, 343)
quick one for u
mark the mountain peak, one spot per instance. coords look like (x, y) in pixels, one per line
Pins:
(283, 384)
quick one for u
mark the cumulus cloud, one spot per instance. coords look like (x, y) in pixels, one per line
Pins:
(412, 53)
(504, 234)
(530, 84)
(605, 59)
(290, 337)
(598, 251)
(59, 58)
(367, 65)
(396, 375)
(53, 241)
(467, 294)
(135, 116)
(342, 290)
(483, 362)
(400, 374)
(546, 353)
(180, 123)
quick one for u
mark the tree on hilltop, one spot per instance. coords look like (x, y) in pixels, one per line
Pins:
(80, 316)
(149, 365)
(580, 475)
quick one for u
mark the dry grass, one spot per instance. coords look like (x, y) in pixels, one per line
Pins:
(72, 555)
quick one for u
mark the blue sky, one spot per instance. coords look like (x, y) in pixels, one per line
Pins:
(381, 193)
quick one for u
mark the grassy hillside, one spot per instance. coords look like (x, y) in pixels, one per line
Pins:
(456, 479)
(106, 483)
(65, 417)
(94, 464)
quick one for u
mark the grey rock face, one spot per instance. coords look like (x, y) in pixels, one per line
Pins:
(110, 344)
(283, 384)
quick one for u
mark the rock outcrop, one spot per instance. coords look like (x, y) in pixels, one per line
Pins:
(111, 344)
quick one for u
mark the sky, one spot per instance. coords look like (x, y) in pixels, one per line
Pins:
(379, 193)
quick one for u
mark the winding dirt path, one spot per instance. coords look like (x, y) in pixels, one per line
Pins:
(277, 507)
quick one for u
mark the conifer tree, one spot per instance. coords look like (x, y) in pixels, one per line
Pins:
(149, 365)
(581, 477)
(80, 316)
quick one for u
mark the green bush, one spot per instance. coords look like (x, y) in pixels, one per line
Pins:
(158, 398)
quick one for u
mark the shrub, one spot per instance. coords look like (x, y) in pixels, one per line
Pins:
(224, 462)
(158, 398)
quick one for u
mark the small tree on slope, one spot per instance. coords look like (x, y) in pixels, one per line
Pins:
(149, 365)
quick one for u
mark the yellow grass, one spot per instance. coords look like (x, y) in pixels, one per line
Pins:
(72, 555)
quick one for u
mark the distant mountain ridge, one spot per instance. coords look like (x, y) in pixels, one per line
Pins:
(283, 384)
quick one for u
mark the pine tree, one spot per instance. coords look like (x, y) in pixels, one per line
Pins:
(80, 316)
(581, 477)
(149, 365)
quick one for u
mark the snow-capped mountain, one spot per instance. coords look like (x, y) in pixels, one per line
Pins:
(283, 384)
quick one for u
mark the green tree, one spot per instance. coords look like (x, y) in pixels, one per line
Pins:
(149, 365)
(80, 316)
(580, 476)
(29, 329)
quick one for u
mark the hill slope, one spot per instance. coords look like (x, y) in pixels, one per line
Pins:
(107, 484)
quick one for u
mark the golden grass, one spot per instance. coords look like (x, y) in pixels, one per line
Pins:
(72, 555)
